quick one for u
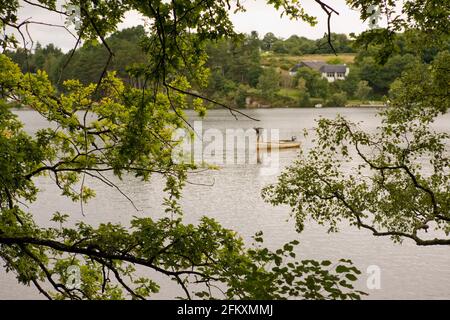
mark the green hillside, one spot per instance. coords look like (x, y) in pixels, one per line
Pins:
(248, 72)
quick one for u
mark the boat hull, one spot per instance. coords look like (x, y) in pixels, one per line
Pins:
(278, 145)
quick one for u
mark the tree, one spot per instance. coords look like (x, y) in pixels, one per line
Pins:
(279, 46)
(88, 62)
(241, 96)
(428, 21)
(296, 45)
(350, 84)
(306, 46)
(206, 252)
(341, 44)
(268, 41)
(363, 90)
(380, 77)
(338, 99)
(238, 60)
(43, 58)
(316, 85)
(131, 133)
(269, 83)
(21, 57)
(400, 188)
(305, 97)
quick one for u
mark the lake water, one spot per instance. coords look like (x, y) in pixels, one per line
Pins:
(232, 196)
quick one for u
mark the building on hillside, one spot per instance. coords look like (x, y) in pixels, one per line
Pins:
(331, 72)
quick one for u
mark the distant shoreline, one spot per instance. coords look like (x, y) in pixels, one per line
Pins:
(365, 106)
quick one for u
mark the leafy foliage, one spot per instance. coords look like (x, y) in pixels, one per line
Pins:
(401, 186)
(428, 19)
(106, 125)
(269, 82)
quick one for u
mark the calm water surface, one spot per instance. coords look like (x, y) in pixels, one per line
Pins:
(232, 196)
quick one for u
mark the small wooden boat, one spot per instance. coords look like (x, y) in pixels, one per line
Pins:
(281, 144)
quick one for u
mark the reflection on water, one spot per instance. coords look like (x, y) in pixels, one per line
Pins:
(232, 196)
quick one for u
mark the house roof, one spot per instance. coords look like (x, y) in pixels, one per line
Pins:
(342, 68)
(320, 66)
(314, 64)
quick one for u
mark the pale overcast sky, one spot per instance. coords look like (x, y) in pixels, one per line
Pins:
(259, 16)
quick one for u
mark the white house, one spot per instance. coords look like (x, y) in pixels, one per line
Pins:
(331, 72)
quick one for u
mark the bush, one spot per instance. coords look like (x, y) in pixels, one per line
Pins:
(335, 61)
(269, 83)
(337, 100)
(363, 90)
(286, 66)
(240, 96)
(305, 100)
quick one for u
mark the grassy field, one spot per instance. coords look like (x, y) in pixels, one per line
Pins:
(365, 103)
(290, 93)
